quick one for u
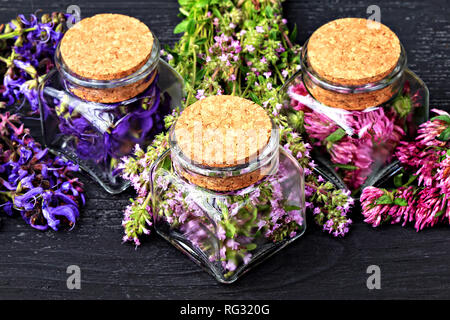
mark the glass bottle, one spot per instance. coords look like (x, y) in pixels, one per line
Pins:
(95, 134)
(228, 232)
(355, 129)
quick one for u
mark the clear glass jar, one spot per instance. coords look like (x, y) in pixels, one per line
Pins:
(358, 146)
(97, 134)
(228, 232)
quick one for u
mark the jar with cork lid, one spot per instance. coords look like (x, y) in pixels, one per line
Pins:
(226, 193)
(357, 99)
(108, 92)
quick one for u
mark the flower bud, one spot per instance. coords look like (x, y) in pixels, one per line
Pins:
(45, 18)
(19, 41)
(55, 19)
(403, 105)
(8, 28)
(17, 24)
(60, 27)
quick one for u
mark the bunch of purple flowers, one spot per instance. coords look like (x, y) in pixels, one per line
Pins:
(422, 195)
(41, 188)
(27, 47)
(133, 122)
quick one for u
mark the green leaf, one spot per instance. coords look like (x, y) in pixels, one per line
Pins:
(224, 209)
(200, 41)
(384, 199)
(398, 180)
(254, 214)
(200, 74)
(273, 34)
(336, 136)
(251, 246)
(291, 208)
(269, 12)
(254, 98)
(181, 27)
(400, 202)
(411, 179)
(346, 166)
(201, 3)
(293, 35)
(445, 135)
(191, 27)
(440, 213)
(443, 117)
(230, 229)
(166, 164)
(216, 12)
(184, 3)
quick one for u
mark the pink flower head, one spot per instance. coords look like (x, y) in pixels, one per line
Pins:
(250, 48)
(200, 94)
(231, 266)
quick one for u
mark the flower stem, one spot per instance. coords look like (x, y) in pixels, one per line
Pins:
(15, 33)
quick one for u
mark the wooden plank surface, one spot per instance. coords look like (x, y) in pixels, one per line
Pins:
(413, 265)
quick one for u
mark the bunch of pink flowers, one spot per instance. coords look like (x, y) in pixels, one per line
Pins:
(376, 134)
(424, 199)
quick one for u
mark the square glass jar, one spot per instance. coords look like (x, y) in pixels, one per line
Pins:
(96, 135)
(358, 146)
(229, 232)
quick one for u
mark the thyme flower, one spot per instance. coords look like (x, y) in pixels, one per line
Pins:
(239, 48)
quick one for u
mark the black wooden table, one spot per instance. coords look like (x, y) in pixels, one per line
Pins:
(33, 264)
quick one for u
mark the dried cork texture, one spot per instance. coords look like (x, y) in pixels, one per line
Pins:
(113, 95)
(224, 184)
(106, 46)
(354, 101)
(219, 132)
(223, 131)
(353, 51)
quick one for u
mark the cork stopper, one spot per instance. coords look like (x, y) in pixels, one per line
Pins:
(353, 51)
(223, 131)
(106, 46)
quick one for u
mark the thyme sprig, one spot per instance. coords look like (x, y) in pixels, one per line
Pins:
(243, 48)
